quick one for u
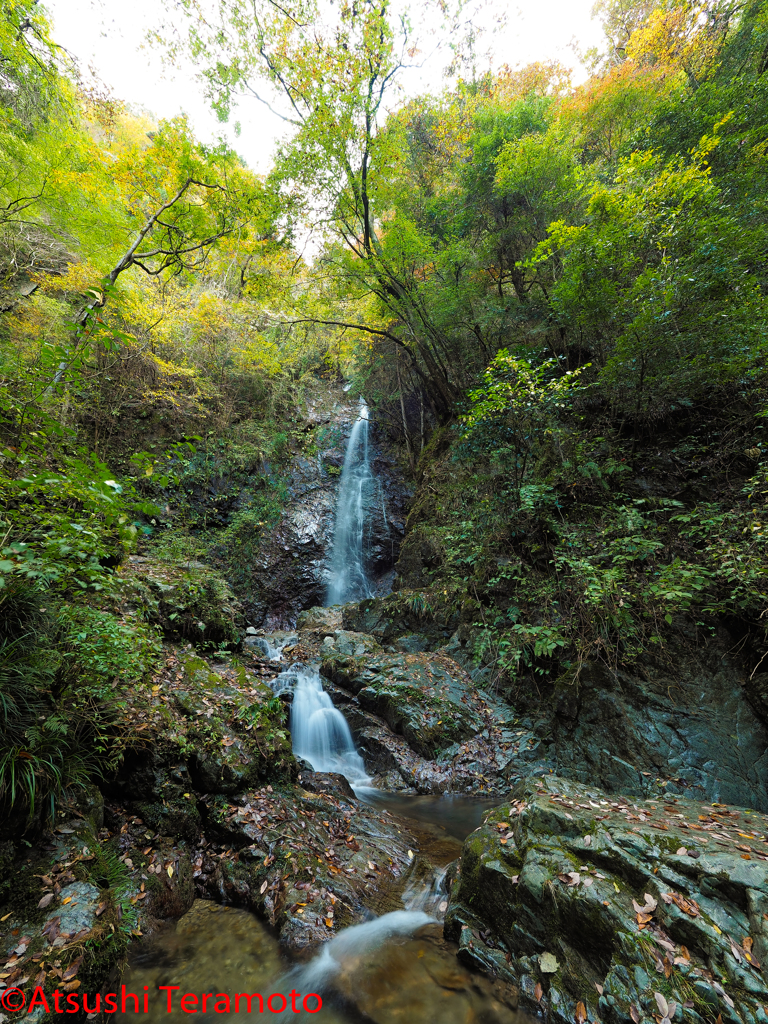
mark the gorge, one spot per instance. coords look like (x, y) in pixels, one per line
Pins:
(383, 537)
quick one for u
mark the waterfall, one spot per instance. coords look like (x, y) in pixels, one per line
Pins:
(319, 730)
(349, 581)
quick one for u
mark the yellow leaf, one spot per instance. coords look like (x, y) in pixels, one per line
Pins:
(170, 870)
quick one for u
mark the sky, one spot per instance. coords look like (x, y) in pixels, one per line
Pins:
(108, 35)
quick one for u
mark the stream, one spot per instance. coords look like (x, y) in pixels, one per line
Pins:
(392, 967)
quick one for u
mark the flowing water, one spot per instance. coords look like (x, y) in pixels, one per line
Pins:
(320, 732)
(395, 968)
(349, 580)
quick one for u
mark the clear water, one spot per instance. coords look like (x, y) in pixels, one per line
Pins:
(349, 580)
(392, 970)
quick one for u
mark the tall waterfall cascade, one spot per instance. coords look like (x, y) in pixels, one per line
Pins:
(357, 488)
(320, 731)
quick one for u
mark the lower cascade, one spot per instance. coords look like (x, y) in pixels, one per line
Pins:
(320, 732)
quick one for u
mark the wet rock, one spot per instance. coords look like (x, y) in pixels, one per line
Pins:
(317, 619)
(577, 896)
(78, 903)
(326, 782)
(424, 698)
(418, 979)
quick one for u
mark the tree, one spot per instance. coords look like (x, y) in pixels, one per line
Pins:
(333, 82)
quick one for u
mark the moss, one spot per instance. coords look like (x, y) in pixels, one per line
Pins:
(24, 890)
(177, 817)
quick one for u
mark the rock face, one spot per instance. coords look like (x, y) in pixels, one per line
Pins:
(188, 602)
(695, 724)
(693, 728)
(422, 697)
(625, 907)
(290, 571)
(419, 720)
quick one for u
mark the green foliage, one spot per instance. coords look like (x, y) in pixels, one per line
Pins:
(99, 649)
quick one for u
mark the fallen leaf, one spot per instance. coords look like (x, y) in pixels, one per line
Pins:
(45, 901)
(587, 840)
(581, 1013)
(681, 852)
(72, 970)
(66, 901)
(70, 986)
(548, 963)
(661, 1002)
(599, 989)
(538, 992)
(170, 870)
(634, 1013)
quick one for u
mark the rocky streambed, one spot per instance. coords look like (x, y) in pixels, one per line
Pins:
(571, 900)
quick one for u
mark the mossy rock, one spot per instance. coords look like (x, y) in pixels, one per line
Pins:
(561, 871)
(188, 602)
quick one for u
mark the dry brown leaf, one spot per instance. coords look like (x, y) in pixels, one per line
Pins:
(581, 1013)
(538, 992)
(634, 1013)
(72, 970)
(45, 901)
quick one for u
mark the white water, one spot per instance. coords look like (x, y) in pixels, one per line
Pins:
(350, 945)
(428, 894)
(349, 581)
(274, 653)
(320, 731)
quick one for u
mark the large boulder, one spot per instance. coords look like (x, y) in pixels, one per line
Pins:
(425, 698)
(604, 908)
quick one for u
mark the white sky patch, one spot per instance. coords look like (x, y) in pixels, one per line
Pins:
(109, 35)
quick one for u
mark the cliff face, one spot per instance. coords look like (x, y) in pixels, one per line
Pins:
(289, 570)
